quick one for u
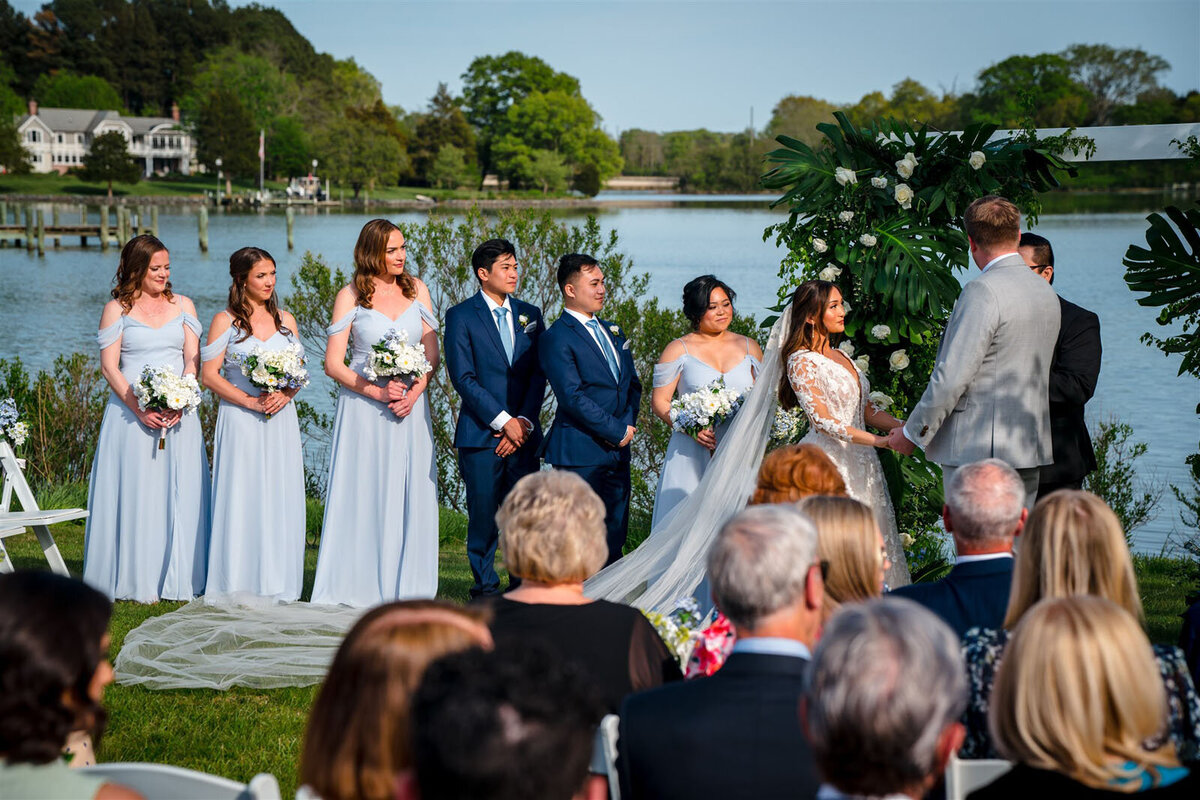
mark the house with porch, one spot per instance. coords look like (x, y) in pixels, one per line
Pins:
(57, 139)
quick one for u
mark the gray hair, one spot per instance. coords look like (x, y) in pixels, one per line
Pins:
(760, 560)
(985, 500)
(886, 680)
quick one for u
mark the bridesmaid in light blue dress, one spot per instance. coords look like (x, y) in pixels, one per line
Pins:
(258, 514)
(379, 539)
(689, 363)
(147, 527)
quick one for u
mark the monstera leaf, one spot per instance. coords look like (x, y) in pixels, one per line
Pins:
(912, 265)
(1168, 271)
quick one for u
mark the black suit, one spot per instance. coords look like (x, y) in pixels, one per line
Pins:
(1073, 373)
(974, 594)
(735, 734)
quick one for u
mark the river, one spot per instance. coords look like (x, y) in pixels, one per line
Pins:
(51, 305)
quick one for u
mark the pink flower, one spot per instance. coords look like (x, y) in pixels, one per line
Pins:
(712, 648)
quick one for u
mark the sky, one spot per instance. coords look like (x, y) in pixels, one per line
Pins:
(675, 65)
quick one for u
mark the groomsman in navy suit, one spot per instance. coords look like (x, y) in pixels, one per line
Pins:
(590, 367)
(492, 356)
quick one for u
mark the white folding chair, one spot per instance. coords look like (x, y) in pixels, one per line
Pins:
(608, 733)
(163, 782)
(964, 776)
(14, 522)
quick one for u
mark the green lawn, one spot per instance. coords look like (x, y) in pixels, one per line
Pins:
(241, 732)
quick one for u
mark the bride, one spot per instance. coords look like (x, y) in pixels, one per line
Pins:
(835, 396)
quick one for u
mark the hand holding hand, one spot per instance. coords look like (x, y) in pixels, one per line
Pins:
(151, 419)
(395, 390)
(514, 431)
(708, 438)
(899, 442)
(272, 402)
(629, 432)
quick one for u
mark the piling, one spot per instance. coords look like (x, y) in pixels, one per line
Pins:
(291, 224)
(104, 229)
(83, 215)
(41, 232)
(55, 218)
(3, 212)
(203, 229)
(29, 243)
(154, 221)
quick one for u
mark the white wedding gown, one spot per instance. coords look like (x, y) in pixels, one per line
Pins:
(834, 400)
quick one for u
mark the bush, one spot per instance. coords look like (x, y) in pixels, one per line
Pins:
(1113, 480)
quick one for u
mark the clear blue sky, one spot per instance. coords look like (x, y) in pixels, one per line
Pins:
(669, 65)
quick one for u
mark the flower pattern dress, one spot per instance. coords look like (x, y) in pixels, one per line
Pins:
(834, 400)
(983, 649)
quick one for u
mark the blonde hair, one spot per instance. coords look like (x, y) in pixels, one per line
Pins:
(1072, 544)
(552, 528)
(1076, 694)
(848, 539)
(358, 740)
(794, 472)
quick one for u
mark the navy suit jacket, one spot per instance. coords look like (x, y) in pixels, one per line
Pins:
(973, 595)
(594, 408)
(482, 376)
(734, 734)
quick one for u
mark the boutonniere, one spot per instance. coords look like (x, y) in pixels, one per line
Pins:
(526, 325)
(615, 330)
(523, 319)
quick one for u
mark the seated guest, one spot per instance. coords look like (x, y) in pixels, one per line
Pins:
(1075, 712)
(787, 474)
(357, 741)
(1072, 545)
(507, 725)
(886, 689)
(984, 510)
(737, 733)
(790, 473)
(553, 537)
(848, 539)
(53, 670)
(1189, 639)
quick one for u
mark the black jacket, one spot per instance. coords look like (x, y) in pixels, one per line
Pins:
(1073, 374)
(973, 595)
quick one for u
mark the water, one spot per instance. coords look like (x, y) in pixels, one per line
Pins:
(52, 305)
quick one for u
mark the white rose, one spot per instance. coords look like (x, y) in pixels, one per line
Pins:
(906, 165)
(904, 195)
(976, 159)
(863, 363)
(867, 239)
(830, 274)
(906, 540)
(845, 176)
(819, 245)
(881, 331)
(846, 216)
(879, 400)
(898, 360)
(879, 182)
(847, 348)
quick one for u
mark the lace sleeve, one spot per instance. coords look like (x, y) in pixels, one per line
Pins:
(806, 383)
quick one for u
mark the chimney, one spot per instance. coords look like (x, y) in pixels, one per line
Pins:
(175, 111)
(33, 108)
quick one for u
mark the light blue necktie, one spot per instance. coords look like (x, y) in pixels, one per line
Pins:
(505, 331)
(605, 347)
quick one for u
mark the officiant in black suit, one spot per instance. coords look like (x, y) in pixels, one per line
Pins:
(1073, 374)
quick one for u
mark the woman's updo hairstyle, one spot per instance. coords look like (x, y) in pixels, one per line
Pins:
(697, 294)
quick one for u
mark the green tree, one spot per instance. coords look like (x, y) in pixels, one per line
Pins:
(1113, 76)
(557, 122)
(264, 90)
(225, 129)
(289, 152)
(108, 160)
(587, 181)
(11, 104)
(450, 169)
(547, 170)
(360, 155)
(797, 116)
(68, 90)
(13, 155)
(1041, 84)
(642, 152)
(443, 123)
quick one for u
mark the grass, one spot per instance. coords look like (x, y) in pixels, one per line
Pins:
(241, 732)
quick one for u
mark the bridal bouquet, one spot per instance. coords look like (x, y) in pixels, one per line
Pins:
(10, 427)
(273, 370)
(707, 407)
(788, 426)
(161, 389)
(677, 627)
(393, 356)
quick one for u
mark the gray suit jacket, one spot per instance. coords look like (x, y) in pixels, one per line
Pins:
(988, 395)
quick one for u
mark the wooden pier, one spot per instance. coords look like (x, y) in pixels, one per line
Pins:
(28, 226)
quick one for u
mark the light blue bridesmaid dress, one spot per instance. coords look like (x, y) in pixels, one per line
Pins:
(686, 458)
(147, 527)
(258, 517)
(379, 539)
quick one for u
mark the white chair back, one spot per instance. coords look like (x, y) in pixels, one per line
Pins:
(964, 776)
(164, 782)
(609, 732)
(31, 516)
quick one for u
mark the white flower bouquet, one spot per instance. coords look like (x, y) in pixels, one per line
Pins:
(788, 426)
(705, 408)
(11, 428)
(678, 628)
(274, 370)
(392, 356)
(160, 389)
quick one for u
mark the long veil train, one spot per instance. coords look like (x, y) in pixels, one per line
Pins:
(670, 564)
(241, 640)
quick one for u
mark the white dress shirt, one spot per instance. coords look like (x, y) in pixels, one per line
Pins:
(981, 557)
(503, 417)
(772, 646)
(584, 319)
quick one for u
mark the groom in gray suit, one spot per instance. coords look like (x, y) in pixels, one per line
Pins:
(988, 395)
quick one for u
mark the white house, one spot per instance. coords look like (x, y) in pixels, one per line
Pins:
(58, 138)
